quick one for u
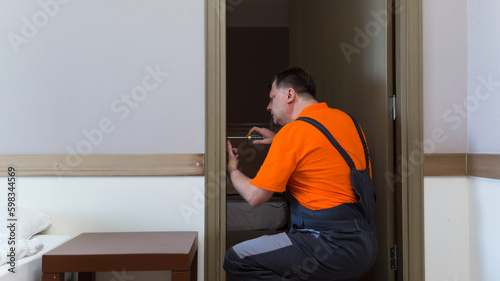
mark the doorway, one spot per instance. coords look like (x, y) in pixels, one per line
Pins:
(217, 130)
(257, 38)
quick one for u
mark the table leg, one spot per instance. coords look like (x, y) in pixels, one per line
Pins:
(53, 277)
(194, 268)
(191, 275)
(86, 276)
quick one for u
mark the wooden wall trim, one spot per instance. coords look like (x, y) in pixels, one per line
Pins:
(483, 165)
(462, 164)
(445, 164)
(95, 165)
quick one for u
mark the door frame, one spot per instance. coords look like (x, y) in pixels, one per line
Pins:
(408, 181)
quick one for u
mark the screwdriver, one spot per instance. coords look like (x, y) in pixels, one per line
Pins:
(250, 137)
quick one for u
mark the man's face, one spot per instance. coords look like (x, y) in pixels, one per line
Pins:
(278, 104)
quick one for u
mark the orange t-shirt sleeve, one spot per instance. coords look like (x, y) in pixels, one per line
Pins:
(278, 166)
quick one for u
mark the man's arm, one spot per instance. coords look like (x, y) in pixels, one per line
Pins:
(254, 195)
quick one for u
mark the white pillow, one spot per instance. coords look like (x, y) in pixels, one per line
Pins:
(29, 223)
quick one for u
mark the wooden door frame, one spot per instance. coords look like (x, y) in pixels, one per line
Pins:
(408, 182)
(409, 139)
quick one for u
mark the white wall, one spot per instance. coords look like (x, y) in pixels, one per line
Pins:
(65, 64)
(484, 229)
(446, 211)
(462, 97)
(134, 70)
(461, 228)
(484, 76)
(484, 135)
(77, 205)
(445, 114)
(445, 75)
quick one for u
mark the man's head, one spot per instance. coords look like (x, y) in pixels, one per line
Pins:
(291, 91)
(297, 79)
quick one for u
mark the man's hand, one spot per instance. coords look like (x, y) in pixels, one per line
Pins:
(254, 195)
(232, 153)
(267, 135)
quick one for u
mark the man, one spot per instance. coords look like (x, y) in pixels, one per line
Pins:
(333, 234)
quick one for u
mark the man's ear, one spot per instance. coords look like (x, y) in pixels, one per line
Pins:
(291, 95)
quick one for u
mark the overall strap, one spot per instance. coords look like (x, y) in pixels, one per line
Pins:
(335, 143)
(361, 136)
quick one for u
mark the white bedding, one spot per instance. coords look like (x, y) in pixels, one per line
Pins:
(29, 268)
(24, 248)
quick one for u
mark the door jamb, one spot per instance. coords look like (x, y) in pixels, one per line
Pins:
(409, 139)
(410, 226)
(215, 133)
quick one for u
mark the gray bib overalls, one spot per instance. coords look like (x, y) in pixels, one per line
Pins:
(338, 243)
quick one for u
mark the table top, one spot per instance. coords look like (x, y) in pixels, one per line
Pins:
(104, 251)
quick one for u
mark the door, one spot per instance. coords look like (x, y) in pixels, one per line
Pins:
(347, 45)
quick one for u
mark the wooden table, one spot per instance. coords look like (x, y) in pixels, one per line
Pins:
(88, 253)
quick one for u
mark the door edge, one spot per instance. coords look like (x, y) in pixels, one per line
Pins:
(410, 224)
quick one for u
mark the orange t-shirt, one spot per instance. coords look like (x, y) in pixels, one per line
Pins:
(303, 159)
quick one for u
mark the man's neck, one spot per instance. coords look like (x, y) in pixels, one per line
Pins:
(301, 105)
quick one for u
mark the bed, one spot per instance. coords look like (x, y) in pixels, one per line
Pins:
(24, 227)
(30, 268)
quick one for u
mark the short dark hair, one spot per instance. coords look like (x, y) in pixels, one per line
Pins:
(298, 79)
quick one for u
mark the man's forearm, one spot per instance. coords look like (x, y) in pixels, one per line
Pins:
(251, 193)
